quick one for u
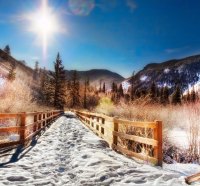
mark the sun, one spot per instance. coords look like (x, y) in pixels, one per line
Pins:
(44, 21)
(44, 24)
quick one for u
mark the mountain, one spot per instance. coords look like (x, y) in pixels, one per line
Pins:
(96, 76)
(26, 73)
(22, 70)
(185, 72)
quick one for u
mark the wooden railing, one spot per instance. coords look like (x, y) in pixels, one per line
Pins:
(19, 128)
(192, 178)
(142, 140)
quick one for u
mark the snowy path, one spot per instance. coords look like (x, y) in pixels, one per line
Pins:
(70, 154)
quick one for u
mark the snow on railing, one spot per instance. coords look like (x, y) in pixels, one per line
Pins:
(20, 128)
(142, 140)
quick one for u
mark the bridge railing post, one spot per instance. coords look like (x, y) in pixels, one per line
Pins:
(22, 128)
(158, 136)
(116, 128)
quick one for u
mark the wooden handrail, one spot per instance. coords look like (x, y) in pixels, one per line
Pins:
(25, 129)
(136, 123)
(193, 178)
(108, 128)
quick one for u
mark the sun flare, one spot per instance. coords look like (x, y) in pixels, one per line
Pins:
(44, 21)
(45, 24)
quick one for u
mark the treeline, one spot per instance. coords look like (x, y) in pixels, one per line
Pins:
(153, 94)
(55, 88)
(59, 91)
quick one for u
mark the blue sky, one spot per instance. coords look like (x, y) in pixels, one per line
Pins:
(119, 35)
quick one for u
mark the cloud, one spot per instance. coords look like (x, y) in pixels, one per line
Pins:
(35, 58)
(131, 5)
(64, 11)
(106, 5)
(171, 50)
(81, 7)
(175, 50)
(19, 17)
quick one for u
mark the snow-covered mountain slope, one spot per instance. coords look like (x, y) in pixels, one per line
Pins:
(185, 72)
(126, 85)
(69, 154)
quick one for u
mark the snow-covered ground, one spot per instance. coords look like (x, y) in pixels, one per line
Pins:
(179, 138)
(70, 154)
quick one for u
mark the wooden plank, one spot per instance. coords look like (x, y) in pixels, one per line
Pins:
(193, 178)
(8, 144)
(139, 139)
(134, 154)
(10, 129)
(2, 115)
(102, 116)
(33, 113)
(33, 134)
(32, 124)
(137, 123)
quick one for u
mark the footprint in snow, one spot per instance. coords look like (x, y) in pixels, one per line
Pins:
(17, 178)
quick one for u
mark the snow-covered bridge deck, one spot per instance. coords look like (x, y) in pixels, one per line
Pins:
(70, 154)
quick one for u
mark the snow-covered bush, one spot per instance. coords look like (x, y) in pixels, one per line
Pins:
(17, 96)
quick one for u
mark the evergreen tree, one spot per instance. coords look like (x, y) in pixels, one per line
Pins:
(121, 91)
(162, 95)
(49, 91)
(69, 85)
(100, 88)
(113, 97)
(138, 93)
(47, 88)
(158, 92)
(75, 88)
(36, 71)
(166, 95)
(188, 96)
(114, 87)
(7, 49)
(176, 96)
(153, 91)
(104, 88)
(12, 74)
(193, 96)
(85, 96)
(59, 81)
(88, 82)
(132, 86)
(42, 77)
(127, 98)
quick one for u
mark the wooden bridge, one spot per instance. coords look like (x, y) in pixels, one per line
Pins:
(142, 140)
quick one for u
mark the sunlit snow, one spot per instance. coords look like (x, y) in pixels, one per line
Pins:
(125, 86)
(143, 78)
(167, 70)
(2, 81)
